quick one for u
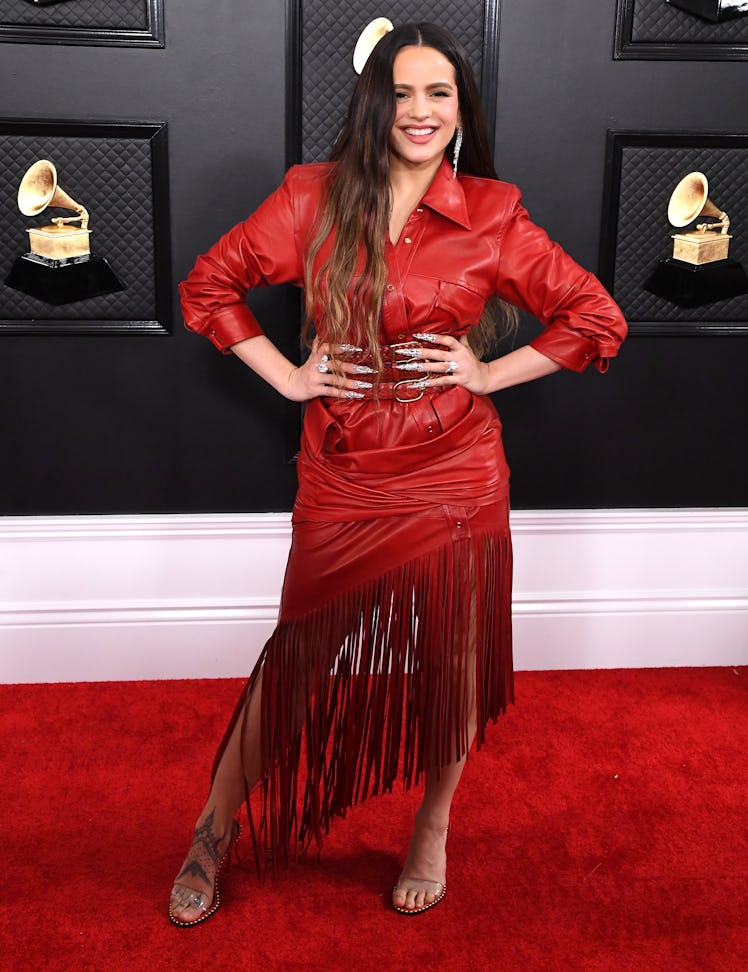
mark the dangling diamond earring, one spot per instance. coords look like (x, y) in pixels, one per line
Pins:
(456, 153)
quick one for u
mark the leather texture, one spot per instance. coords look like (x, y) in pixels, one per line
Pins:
(399, 575)
(468, 240)
(365, 462)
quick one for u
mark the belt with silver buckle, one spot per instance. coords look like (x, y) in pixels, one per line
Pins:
(389, 382)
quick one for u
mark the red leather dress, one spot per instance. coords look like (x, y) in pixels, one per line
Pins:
(395, 616)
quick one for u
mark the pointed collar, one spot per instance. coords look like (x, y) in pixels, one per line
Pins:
(446, 196)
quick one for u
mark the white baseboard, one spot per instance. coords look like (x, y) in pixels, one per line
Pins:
(193, 596)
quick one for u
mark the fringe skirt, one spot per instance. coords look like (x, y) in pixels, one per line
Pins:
(395, 618)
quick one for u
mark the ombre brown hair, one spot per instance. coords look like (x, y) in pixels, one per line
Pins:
(358, 199)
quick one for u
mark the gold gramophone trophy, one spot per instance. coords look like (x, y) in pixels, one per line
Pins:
(699, 271)
(59, 267)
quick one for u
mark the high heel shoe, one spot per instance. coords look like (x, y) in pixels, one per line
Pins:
(439, 892)
(183, 897)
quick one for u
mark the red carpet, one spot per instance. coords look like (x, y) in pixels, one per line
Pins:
(604, 827)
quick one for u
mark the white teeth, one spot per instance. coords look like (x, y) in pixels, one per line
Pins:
(420, 131)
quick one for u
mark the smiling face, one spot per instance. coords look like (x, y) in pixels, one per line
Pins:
(427, 108)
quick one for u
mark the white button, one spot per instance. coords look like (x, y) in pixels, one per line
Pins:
(408, 239)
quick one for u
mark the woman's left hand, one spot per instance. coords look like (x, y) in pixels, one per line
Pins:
(451, 362)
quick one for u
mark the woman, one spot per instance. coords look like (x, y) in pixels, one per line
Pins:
(393, 647)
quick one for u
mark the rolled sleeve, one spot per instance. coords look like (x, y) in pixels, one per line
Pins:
(258, 252)
(231, 324)
(572, 352)
(582, 323)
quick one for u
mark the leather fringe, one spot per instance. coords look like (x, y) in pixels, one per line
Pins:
(377, 683)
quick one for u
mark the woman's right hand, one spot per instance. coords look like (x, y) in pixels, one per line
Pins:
(320, 376)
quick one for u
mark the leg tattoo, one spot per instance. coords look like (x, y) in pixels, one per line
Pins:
(205, 846)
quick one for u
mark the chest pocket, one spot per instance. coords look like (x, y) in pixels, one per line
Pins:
(431, 301)
(457, 306)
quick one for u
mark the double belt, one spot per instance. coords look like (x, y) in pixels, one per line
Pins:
(397, 378)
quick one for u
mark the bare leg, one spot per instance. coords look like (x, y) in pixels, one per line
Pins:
(213, 829)
(426, 864)
(424, 875)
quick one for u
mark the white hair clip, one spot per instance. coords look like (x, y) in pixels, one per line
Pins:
(369, 38)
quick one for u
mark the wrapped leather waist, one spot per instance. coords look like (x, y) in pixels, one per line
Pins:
(361, 460)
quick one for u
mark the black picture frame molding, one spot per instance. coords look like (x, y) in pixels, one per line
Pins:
(709, 322)
(152, 35)
(626, 48)
(156, 136)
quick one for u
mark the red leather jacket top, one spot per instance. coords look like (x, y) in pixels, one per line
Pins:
(468, 240)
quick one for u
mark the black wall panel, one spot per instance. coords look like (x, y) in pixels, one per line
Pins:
(166, 424)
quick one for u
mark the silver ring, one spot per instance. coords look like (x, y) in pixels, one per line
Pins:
(322, 368)
(451, 367)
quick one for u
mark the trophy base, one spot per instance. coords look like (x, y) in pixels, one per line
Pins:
(59, 282)
(692, 285)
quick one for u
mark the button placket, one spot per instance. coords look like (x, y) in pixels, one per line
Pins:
(395, 322)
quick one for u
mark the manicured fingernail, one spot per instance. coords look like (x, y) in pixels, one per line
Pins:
(362, 384)
(349, 348)
(419, 385)
(352, 394)
(427, 337)
(409, 352)
(410, 366)
(363, 370)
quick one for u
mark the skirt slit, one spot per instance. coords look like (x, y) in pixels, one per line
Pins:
(377, 683)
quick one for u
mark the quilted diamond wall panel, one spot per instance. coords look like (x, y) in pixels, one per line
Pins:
(648, 176)
(111, 177)
(101, 14)
(655, 21)
(329, 30)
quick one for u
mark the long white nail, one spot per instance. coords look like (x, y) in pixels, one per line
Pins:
(410, 366)
(352, 394)
(433, 338)
(363, 370)
(362, 384)
(349, 348)
(419, 385)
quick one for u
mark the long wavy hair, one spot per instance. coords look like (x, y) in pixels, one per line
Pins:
(358, 201)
